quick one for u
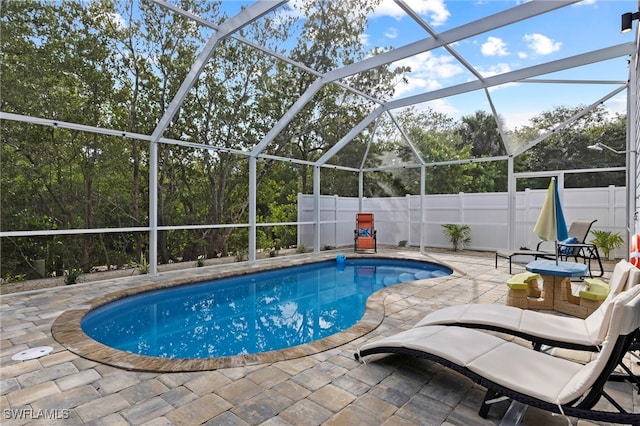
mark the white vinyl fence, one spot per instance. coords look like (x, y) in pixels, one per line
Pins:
(399, 218)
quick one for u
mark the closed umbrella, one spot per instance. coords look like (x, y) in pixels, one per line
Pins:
(551, 225)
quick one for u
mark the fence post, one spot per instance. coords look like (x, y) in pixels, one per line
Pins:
(611, 194)
(408, 198)
(335, 220)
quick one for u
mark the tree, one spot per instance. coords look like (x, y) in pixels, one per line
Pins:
(567, 148)
(481, 132)
(58, 71)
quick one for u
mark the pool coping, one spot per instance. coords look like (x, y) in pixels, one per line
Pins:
(66, 328)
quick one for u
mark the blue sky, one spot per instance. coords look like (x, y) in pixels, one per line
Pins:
(572, 30)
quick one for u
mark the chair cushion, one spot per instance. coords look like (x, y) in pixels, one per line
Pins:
(595, 290)
(364, 232)
(567, 250)
(520, 281)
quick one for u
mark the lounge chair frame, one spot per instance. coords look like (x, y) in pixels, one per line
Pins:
(581, 409)
(580, 250)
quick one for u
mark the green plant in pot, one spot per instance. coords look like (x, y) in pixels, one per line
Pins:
(606, 241)
(459, 235)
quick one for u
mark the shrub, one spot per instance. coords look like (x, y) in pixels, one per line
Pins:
(606, 241)
(459, 235)
(72, 276)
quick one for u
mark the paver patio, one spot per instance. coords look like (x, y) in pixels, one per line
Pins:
(328, 387)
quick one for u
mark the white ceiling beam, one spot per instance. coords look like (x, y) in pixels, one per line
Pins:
(231, 25)
(263, 49)
(418, 19)
(558, 81)
(288, 116)
(517, 75)
(349, 136)
(561, 64)
(498, 20)
(569, 120)
(406, 138)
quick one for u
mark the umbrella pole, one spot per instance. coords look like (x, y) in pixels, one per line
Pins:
(556, 252)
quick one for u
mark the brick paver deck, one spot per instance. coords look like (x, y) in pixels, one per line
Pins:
(322, 386)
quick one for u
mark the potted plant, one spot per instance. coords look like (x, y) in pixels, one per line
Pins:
(459, 235)
(606, 241)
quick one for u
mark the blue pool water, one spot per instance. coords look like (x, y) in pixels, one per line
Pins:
(251, 313)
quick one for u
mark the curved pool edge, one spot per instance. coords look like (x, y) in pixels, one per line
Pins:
(67, 329)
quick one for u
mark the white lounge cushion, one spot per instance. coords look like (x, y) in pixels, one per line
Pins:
(508, 364)
(526, 371)
(625, 318)
(487, 314)
(556, 327)
(587, 332)
(618, 282)
(450, 343)
(513, 366)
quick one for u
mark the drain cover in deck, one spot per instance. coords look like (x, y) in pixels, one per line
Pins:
(32, 353)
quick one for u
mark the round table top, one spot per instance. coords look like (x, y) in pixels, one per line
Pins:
(560, 269)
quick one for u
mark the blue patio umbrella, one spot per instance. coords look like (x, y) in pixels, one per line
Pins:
(551, 225)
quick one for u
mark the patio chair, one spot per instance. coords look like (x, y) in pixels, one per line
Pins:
(364, 236)
(527, 376)
(574, 247)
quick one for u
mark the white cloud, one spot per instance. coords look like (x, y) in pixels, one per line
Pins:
(391, 33)
(434, 10)
(427, 63)
(415, 85)
(495, 69)
(494, 46)
(540, 44)
(427, 72)
(616, 105)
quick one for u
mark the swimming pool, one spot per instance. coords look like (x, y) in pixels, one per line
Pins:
(252, 313)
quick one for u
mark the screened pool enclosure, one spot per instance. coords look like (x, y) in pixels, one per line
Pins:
(154, 131)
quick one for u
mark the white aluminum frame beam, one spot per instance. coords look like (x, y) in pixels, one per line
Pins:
(496, 80)
(418, 19)
(569, 120)
(263, 49)
(600, 55)
(498, 20)
(230, 26)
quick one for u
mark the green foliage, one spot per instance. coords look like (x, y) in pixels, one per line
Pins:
(301, 249)
(459, 235)
(606, 241)
(567, 149)
(72, 276)
(438, 138)
(76, 62)
(402, 243)
(142, 266)
(14, 278)
(241, 255)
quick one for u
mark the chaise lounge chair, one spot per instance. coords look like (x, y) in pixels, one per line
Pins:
(364, 236)
(538, 327)
(530, 377)
(541, 328)
(574, 247)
